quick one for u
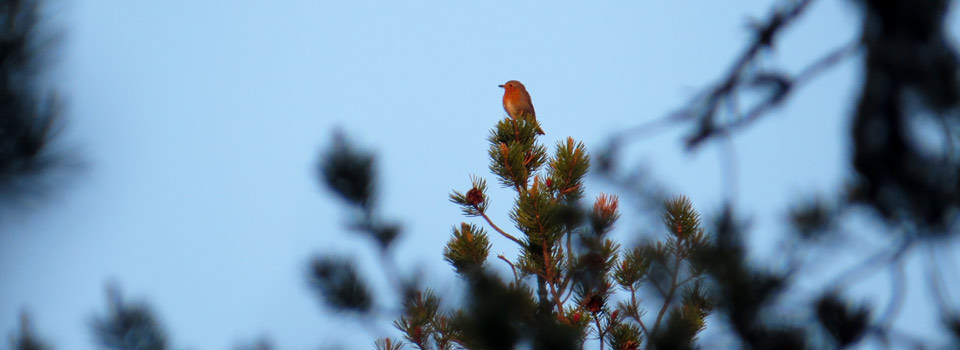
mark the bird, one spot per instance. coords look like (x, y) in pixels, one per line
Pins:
(516, 101)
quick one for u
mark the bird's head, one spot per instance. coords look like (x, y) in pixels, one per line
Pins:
(512, 85)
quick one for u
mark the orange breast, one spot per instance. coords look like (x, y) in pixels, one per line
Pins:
(517, 102)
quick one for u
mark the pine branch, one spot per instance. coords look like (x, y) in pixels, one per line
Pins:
(673, 288)
(550, 278)
(600, 331)
(502, 232)
(636, 305)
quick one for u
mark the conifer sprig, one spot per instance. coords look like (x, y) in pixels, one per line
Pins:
(474, 202)
(467, 249)
(419, 320)
(514, 152)
(567, 169)
(385, 343)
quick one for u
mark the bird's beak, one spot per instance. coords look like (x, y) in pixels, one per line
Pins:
(500, 85)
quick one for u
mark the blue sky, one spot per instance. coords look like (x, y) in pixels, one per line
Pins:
(200, 125)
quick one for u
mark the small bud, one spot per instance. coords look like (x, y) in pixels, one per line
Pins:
(576, 317)
(549, 182)
(475, 197)
(614, 315)
(595, 304)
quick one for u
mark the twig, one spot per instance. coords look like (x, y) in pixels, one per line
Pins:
(513, 268)
(550, 278)
(636, 306)
(502, 232)
(673, 288)
(600, 332)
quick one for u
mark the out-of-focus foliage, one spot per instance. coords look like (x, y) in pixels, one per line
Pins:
(128, 326)
(25, 338)
(845, 325)
(339, 284)
(350, 174)
(28, 111)
(905, 166)
(259, 344)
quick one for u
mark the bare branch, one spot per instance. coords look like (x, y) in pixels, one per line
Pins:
(502, 232)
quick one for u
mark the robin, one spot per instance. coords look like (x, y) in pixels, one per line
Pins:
(516, 101)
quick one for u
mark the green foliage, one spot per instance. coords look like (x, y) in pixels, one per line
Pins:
(514, 153)
(573, 263)
(624, 336)
(680, 218)
(534, 213)
(567, 168)
(632, 270)
(467, 250)
(420, 321)
(566, 273)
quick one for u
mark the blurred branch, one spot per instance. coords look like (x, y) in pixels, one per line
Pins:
(889, 335)
(898, 286)
(871, 263)
(937, 284)
(765, 36)
(704, 107)
(782, 86)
